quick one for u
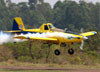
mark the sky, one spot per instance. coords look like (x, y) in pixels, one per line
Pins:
(52, 2)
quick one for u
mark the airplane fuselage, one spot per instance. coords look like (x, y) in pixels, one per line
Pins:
(66, 37)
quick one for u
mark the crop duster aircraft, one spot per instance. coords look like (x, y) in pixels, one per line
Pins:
(52, 35)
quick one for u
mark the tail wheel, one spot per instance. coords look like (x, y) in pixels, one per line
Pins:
(57, 52)
(71, 51)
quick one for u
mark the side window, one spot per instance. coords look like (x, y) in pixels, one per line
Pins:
(46, 27)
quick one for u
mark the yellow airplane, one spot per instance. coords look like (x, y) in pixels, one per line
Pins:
(50, 35)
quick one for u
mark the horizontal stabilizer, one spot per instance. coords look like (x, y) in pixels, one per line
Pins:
(12, 31)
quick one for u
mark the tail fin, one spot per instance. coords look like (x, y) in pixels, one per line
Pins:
(18, 24)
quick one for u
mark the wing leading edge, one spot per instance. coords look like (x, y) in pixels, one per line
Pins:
(36, 38)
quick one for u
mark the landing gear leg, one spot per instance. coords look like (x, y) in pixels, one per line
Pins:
(70, 50)
(57, 51)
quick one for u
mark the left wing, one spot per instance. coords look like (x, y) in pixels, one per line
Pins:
(89, 33)
(36, 38)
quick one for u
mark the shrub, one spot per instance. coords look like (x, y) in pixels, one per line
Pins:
(76, 60)
(25, 59)
(5, 53)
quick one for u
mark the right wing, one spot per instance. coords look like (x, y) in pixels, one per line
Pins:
(36, 38)
(89, 33)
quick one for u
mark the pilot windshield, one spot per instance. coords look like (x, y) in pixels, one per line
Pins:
(51, 26)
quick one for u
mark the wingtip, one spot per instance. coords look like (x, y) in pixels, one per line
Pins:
(94, 32)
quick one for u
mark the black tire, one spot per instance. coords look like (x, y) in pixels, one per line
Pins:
(57, 52)
(71, 51)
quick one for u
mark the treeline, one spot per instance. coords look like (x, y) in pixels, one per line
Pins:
(67, 14)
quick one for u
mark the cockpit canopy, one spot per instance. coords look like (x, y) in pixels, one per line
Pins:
(51, 26)
(48, 26)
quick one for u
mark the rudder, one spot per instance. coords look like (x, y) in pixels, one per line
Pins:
(18, 24)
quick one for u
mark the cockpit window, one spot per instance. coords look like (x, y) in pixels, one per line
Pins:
(46, 27)
(51, 26)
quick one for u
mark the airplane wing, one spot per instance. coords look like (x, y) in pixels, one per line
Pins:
(36, 38)
(89, 33)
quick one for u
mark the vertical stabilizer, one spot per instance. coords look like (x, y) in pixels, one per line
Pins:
(18, 24)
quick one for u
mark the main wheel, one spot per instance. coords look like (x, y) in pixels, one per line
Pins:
(57, 52)
(71, 51)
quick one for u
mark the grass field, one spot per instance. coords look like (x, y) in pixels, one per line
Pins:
(14, 66)
(25, 64)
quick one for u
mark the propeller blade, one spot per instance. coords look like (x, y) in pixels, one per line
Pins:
(81, 47)
(81, 30)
